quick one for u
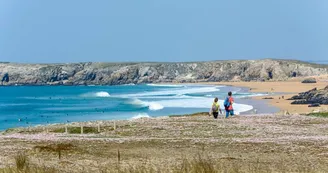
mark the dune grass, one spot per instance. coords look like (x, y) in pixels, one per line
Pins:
(199, 163)
(76, 130)
(177, 145)
(23, 165)
(319, 114)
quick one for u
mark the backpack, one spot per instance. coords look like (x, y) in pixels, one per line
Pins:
(226, 103)
(215, 107)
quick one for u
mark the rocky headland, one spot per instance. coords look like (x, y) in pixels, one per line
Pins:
(127, 73)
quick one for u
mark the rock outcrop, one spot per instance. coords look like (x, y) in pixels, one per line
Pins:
(125, 73)
(312, 97)
(309, 80)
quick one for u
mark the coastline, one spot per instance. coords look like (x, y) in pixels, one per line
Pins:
(275, 89)
(286, 89)
(129, 144)
(246, 104)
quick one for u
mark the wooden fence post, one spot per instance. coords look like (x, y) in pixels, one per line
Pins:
(81, 129)
(66, 130)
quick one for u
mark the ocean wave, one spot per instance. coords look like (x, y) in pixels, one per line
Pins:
(153, 106)
(165, 85)
(167, 97)
(96, 94)
(129, 84)
(175, 92)
(12, 104)
(245, 95)
(141, 115)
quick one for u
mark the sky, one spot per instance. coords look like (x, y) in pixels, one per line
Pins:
(41, 31)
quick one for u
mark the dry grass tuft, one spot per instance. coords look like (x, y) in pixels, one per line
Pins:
(57, 148)
(200, 164)
(22, 165)
(21, 161)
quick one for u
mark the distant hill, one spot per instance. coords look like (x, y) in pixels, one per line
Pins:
(125, 73)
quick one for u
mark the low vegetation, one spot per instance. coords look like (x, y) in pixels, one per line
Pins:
(191, 115)
(284, 143)
(76, 130)
(319, 114)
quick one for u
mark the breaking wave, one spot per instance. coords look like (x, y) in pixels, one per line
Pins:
(175, 92)
(166, 85)
(96, 94)
(153, 106)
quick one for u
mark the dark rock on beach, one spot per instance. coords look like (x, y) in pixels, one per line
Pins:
(127, 73)
(313, 97)
(309, 80)
(268, 98)
(314, 105)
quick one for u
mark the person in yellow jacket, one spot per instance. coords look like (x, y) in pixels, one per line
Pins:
(216, 108)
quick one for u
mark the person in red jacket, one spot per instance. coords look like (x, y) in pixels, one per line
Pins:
(228, 105)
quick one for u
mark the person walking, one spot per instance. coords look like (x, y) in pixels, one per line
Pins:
(228, 102)
(216, 108)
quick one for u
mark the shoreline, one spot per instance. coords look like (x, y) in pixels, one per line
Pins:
(280, 91)
(243, 101)
(277, 105)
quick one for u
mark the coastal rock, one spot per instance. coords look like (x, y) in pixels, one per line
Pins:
(313, 96)
(314, 105)
(5, 78)
(136, 73)
(267, 98)
(309, 80)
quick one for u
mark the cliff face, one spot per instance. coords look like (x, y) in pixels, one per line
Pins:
(125, 73)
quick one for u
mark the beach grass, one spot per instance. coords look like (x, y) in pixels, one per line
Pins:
(76, 130)
(255, 143)
(191, 115)
(199, 163)
(319, 114)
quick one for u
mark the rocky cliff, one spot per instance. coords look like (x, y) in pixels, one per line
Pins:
(125, 73)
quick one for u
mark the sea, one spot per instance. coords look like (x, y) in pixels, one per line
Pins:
(22, 106)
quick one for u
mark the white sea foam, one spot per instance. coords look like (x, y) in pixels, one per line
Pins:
(153, 106)
(175, 92)
(129, 84)
(201, 103)
(166, 97)
(102, 94)
(165, 85)
(96, 94)
(141, 115)
(251, 95)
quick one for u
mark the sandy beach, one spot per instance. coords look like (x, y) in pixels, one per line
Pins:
(286, 89)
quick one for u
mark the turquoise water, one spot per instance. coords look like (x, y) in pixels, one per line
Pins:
(33, 105)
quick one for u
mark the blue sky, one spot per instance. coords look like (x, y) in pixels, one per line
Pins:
(44, 31)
